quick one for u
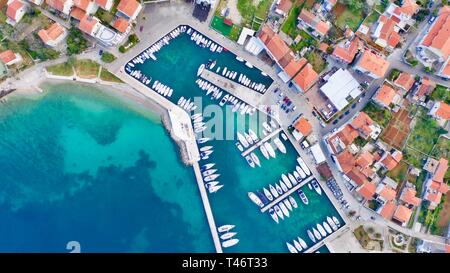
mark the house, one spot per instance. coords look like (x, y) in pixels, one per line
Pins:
(88, 6)
(8, 57)
(340, 140)
(313, 24)
(387, 210)
(425, 88)
(303, 127)
(122, 25)
(402, 215)
(64, 6)
(371, 64)
(283, 7)
(385, 193)
(387, 96)
(435, 45)
(436, 186)
(408, 196)
(405, 81)
(340, 89)
(346, 51)
(105, 4)
(306, 78)
(290, 67)
(402, 15)
(129, 9)
(365, 126)
(89, 25)
(391, 159)
(386, 33)
(345, 161)
(440, 111)
(367, 190)
(15, 11)
(276, 48)
(36, 2)
(328, 4)
(53, 35)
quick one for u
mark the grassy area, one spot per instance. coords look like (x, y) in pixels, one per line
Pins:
(248, 10)
(442, 149)
(63, 69)
(414, 157)
(235, 32)
(104, 16)
(316, 60)
(362, 236)
(394, 74)
(87, 68)
(349, 18)
(131, 42)
(290, 24)
(380, 115)
(372, 18)
(441, 93)
(418, 183)
(232, 32)
(399, 172)
(108, 76)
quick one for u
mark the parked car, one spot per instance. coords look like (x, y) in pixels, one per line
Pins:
(431, 20)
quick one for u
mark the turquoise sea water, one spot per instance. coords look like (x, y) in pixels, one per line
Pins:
(79, 165)
(176, 66)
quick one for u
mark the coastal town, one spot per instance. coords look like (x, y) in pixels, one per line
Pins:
(357, 90)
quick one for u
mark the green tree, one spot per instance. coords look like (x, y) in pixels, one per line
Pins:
(108, 57)
(76, 43)
(354, 5)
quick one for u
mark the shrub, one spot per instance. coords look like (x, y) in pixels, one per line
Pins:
(108, 57)
(76, 43)
(122, 49)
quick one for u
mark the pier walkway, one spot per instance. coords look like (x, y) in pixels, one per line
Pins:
(286, 194)
(261, 142)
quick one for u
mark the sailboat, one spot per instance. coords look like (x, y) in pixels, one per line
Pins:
(268, 194)
(230, 243)
(278, 212)
(291, 248)
(242, 140)
(264, 151)
(273, 191)
(225, 228)
(286, 181)
(311, 236)
(255, 159)
(280, 145)
(274, 215)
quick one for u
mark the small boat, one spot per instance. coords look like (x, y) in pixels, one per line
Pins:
(278, 212)
(267, 127)
(264, 151)
(321, 230)
(211, 177)
(224, 71)
(291, 248)
(255, 159)
(250, 161)
(209, 172)
(270, 150)
(230, 243)
(202, 140)
(213, 64)
(200, 69)
(284, 209)
(310, 186)
(297, 176)
(274, 125)
(224, 100)
(293, 202)
(239, 146)
(252, 135)
(327, 227)
(284, 136)
(302, 243)
(273, 214)
(297, 245)
(248, 138)
(316, 187)
(207, 166)
(279, 189)
(301, 172)
(311, 236)
(205, 148)
(283, 186)
(225, 228)
(211, 184)
(292, 179)
(331, 223)
(242, 140)
(213, 189)
(280, 145)
(239, 59)
(227, 235)
(287, 204)
(336, 221)
(317, 234)
(249, 64)
(196, 116)
(286, 181)
(235, 107)
(303, 165)
(303, 197)
(268, 194)
(255, 199)
(273, 191)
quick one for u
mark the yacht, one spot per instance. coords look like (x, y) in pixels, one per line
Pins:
(303, 165)
(211, 184)
(286, 181)
(279, 145)
(268, 194)
(310, 186)
(255, 199)
(255, 159)
(242, 140)
(225, 228)
(278, 212)
(227, 235)
(302, 243)
(297, 176)
(252, 135)
(311, 236)
(284, 209)
(224, 71)
(264, 151)
(224, 100)
(213, 189)
(248, 138)
(207, 166)
(321, 230)
(211, 177)
(303, 197)
(292, 179)
(297, 245)
(317, 234)
(209, 172)
(301, 172)
(239, 59)
(230, 243)
(200, 69)
(327, 227)
(336, 221)
(273, 214)
(202, 140)
(205, 148)
(250, 161)
(316, 187)
(274, 125)
(331, 223)
(239, 146)
(283, 186)
(293, 202)
(287, 204)
(279, 189)
(273, 191)
(235, 107)
(270, 150)
(291, 248)
(267, 127)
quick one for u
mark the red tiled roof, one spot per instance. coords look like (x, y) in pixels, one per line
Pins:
(77, 13)
(373, 63)
(285, 6)
(56, 4)
(13, 8)
(346, 161)
(294, 66)
(438, 36)
(278, 47)
(362, 122)
(121, 24)
(388, 210)
(101, 3)
(409, 196)
(51, 33)
(391, 160)
(7, 56)
(128, 7)
(367, 190)
(306, 78)
(402, 214)
(440, 171)
(357, 176)
(303, 126)
(364, 160)
(323, 47)
(405, 80)
(443, 111)
(425, 88)
(386, 95)
(87, 24)
(347, 52)
(387, 193)
(82, 4)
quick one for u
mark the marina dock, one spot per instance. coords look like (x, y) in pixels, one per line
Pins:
(286, 194)
(262, 141)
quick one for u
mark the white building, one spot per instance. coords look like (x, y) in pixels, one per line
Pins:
(341, 88)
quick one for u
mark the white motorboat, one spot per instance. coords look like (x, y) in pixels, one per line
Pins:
(214, 188)
(207, 166)
(200, 69)
(252, 135)
(244, 109)
(273, 191)
(273, 214)
(255, 199)
(303, 197)
(321, 230)
(239, 59)
(218, 95)
(297, 245)
(205, 148)
(225, 228)
(327, 227)
(268, 194)
(267, 127)
(317, 234)
(301, 172)
(283, 186)
(270, 150)
(331, 223)
(227, 74)
(291, 248)
(242, 140)
(250, 161)
(239, 146)
(310, 186)
(336, 221)
(292, 179)
(303, 165)
(255, 159)
(279, 189)
(278, 212)
(302, 243)
(224, 71)
(279, 145)
(311, 236)
(273, 124)
(224, 100)
(316, 187)
(209, 172)
(248, 138)
(248, 64)
(264, 151)
(202, 140)
(287, 204)
(293, 202)
(235, 107)
(230, 243)
(284, 209)
(297, 176)
(227, 235)
(211, 177)
(211, 184)
(286, 181)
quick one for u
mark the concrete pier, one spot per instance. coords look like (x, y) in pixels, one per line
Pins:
(269, 136)
(286, 194)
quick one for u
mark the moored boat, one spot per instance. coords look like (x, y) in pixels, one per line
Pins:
(331, 223)
(321, 230)
(336, 221)
(283, 186)
(227, 235)
(293, 202)
(316, 234)
(264, 151)
(225, 228)
(273, 214)
(311, 236)
(286, 180)
(273, 191)
(255, 159)
(270, 150)
(292, 179)
(278, 211)
(327, 227)
(250, 161)
(303, 165)
(279, 189)
(300, 172)
(255, 199)
(316, 187)
(242, 140)
(303, 197)
(268, 194)
(230, 243)
(284, 209)
(291, 248)
(279, 145)
(302, 243)
(297, 245)
(287, 204)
